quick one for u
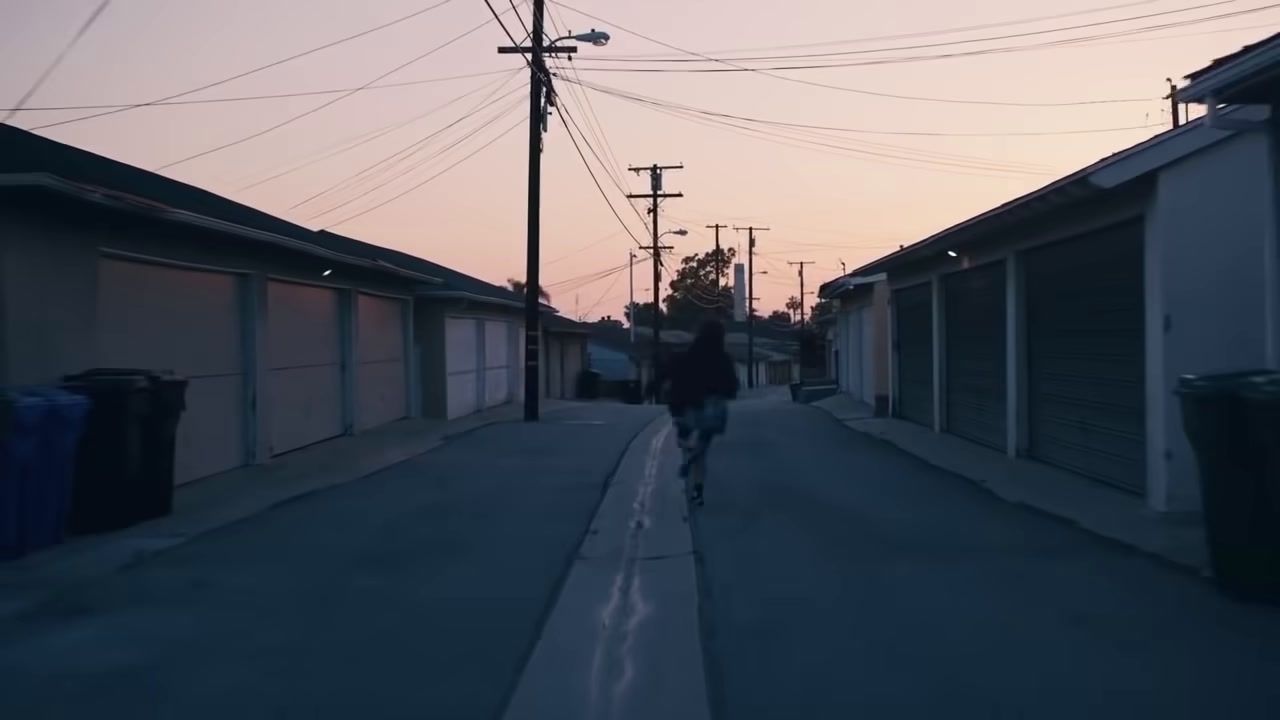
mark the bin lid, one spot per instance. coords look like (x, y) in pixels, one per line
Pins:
(1261, 388)
(1216, 383)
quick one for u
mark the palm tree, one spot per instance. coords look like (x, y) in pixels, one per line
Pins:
(517, 286)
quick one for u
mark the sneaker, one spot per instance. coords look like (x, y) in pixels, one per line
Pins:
(696, 497)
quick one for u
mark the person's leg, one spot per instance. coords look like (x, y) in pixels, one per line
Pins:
(699, 465)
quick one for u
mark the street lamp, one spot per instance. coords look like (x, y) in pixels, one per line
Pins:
(540, 96)
(677, 231)
(599, 38)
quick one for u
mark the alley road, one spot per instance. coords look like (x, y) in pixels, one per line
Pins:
(415, 593)
(549, 571)
(842, 578)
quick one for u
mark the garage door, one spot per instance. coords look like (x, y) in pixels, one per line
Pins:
(380, 360)
(499, 361)
(188, 321)
(866, 350)
(1085, 355)
(913, 333)
(462, 365)
(850, 356)
(975, 357)
(304, 365)
(553, 352)
(573, 350)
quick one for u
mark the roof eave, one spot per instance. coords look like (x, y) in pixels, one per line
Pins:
(85, 193)
(1216, 84)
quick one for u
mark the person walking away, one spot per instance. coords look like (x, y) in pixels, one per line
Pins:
(703, 381)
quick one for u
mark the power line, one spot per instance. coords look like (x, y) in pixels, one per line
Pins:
(948, 31)
(767, 71)
(527, 32)
(925, 46)
(250, 98)
(252, 71)
(600, 299)
(566, 115)
(399, 195)
(484, 103)
(57, 60)
(325, 104)
(562, 29)
(562, 115)
(640, 99)
(364, 138)
(421, 163)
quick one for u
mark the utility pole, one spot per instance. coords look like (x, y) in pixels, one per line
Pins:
(751, 301)
(717, 227)
(1172, 97)
(802, 292)
(539, 97)
(654, 196)
(631, 270)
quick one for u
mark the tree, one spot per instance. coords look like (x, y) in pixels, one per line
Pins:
(517, 286)
(693, 296)
(643, 315)
(794, 306)
(781, 318)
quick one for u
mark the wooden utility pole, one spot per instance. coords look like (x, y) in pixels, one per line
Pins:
(802, 292)
(655, 196)
(751, 301)
(539, 95)
(1172, 97)
(717, 227)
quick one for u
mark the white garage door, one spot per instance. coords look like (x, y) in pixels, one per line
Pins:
(304, 361)
(499, 357)
(866, 351)
(462, 363)
(381, 395)
(187, 321)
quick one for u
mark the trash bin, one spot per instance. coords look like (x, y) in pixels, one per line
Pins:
(108, 479)
(151, 494)
(48, 489)
(1225, 419)
(589, 385)
(19, 461)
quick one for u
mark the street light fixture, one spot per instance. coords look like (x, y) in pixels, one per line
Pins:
(677, 231)
(599, 38)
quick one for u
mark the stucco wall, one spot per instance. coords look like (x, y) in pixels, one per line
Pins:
(1208, 240)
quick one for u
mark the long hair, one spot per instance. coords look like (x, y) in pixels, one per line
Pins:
(709, 341)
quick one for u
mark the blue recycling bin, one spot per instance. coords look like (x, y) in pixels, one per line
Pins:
(49, 490)
(19, 462)
(39, 435)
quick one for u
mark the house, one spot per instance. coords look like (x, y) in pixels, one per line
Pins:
(1250, 76)
(1054, 327)
(859, 338)
(564, 356)
(288, 337)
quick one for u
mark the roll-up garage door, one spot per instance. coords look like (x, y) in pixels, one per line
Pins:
(462, 365)
(1086, 357)
(380, 360)
(913, 333)
(499, 356)
(187, 321)
(574, 352)
(866, 347)
(975, 354)
(304, 361)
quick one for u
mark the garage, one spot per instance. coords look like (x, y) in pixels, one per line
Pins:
(1085, 355)
(188, 321)
(574, 351)
(913, 335)
(866, 354)
(462, 366)
(851, 354)
(499, 362)
(381, 392)
(304, 364)
(975, 330)
(553, 354)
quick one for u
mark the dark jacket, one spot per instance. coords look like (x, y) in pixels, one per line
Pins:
(696, 375)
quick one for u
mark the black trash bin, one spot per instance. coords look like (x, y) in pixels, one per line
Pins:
(1225, 418)
(108, 469)
(589, 385)
(144, 453)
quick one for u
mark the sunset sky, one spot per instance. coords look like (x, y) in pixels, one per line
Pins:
(828, 195)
